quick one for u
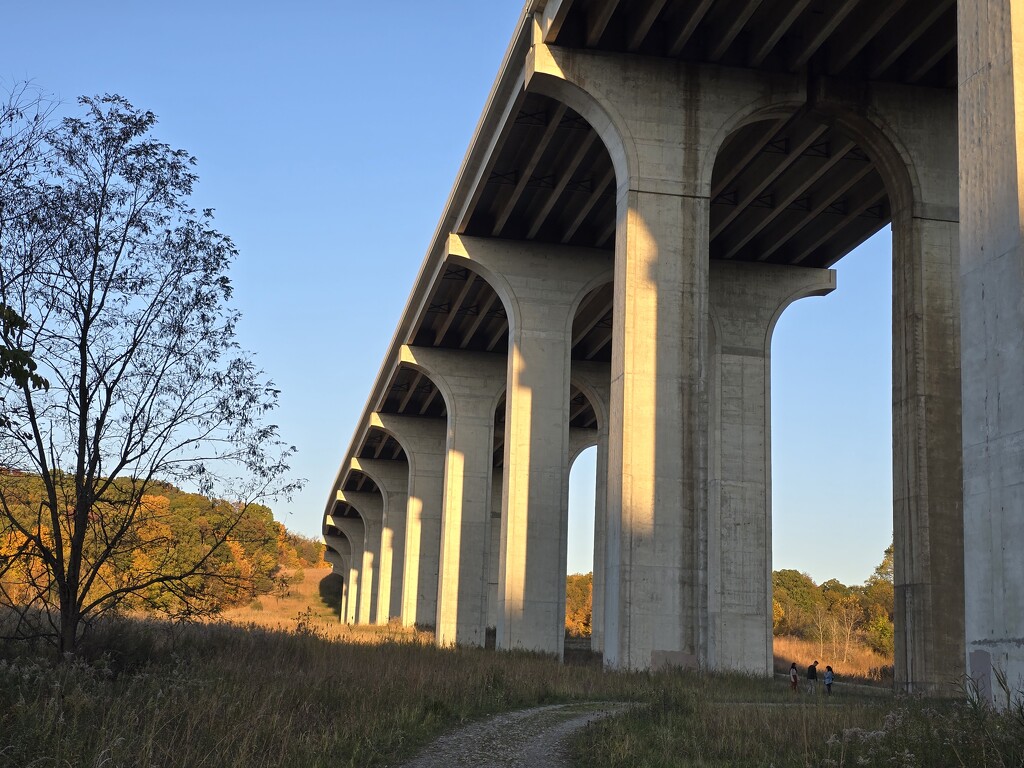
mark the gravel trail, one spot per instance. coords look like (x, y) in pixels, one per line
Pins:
(529, 738)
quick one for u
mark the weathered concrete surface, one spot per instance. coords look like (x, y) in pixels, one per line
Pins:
(526, 739)
(991, 118)
(746, 301)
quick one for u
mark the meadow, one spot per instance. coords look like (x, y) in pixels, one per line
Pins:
(302, 690)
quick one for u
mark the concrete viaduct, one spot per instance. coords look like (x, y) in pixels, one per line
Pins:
(651, 184)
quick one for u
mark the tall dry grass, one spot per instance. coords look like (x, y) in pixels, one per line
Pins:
(155, 694)
(861, 664)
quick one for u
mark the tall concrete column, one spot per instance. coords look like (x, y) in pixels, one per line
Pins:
(423, 441)
(541, 287)
(746, 302)
(350, 555)
(927, 464)
(472, 384)
(392, 478)
(991, 94)
(370, 507)
(662, 123)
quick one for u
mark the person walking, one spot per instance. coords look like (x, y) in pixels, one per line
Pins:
(812, 677)
(829, 677)
(794, 678)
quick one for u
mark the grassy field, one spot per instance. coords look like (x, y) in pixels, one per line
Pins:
(302, 690)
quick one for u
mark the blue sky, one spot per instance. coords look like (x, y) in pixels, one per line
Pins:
(328, 137)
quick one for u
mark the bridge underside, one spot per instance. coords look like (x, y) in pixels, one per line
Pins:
(651, 184)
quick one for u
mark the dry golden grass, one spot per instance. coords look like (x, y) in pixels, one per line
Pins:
(309, 606)
(861, 663)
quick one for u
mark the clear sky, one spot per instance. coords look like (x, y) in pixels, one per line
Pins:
(328, 136)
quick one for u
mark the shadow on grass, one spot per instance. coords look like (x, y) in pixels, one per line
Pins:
(331, 587)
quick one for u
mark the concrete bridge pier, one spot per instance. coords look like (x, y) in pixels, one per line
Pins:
(541, 287)
(746, 300)
(392, 478)
(370, 507)
(661, 122)
(423, 441)
(471, 384)
(991, 111)
(350, 545)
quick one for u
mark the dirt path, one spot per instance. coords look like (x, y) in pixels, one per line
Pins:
(524, 739)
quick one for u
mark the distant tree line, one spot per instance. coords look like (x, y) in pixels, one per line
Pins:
(831, 614)
(834, 615)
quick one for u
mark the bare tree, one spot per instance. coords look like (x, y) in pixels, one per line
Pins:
(124, 291)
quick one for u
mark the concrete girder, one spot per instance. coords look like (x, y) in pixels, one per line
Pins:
(392, 478)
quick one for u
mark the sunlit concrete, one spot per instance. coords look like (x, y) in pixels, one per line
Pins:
(991, 114)
(541, 286)
(370, 507)
(746, 301)
(424, 444)
(472, 384)
(392, 478)
(662, 122)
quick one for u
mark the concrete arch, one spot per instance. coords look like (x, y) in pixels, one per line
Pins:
(758, 110)
(507, 295)
(922, 192)
(437, 380)
(604, 118)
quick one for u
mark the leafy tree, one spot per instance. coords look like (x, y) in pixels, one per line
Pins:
(579, 596)
(800, 600)
(124, 290)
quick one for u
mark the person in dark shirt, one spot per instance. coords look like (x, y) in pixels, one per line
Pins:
(812, 677)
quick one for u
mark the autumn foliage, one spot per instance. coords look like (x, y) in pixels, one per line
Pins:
(579, 588)
(174, 530)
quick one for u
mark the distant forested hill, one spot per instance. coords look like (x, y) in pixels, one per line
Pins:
(175, 529)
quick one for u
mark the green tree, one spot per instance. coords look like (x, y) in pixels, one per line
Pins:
(125, 292)
(800, 599)
(878, 600)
